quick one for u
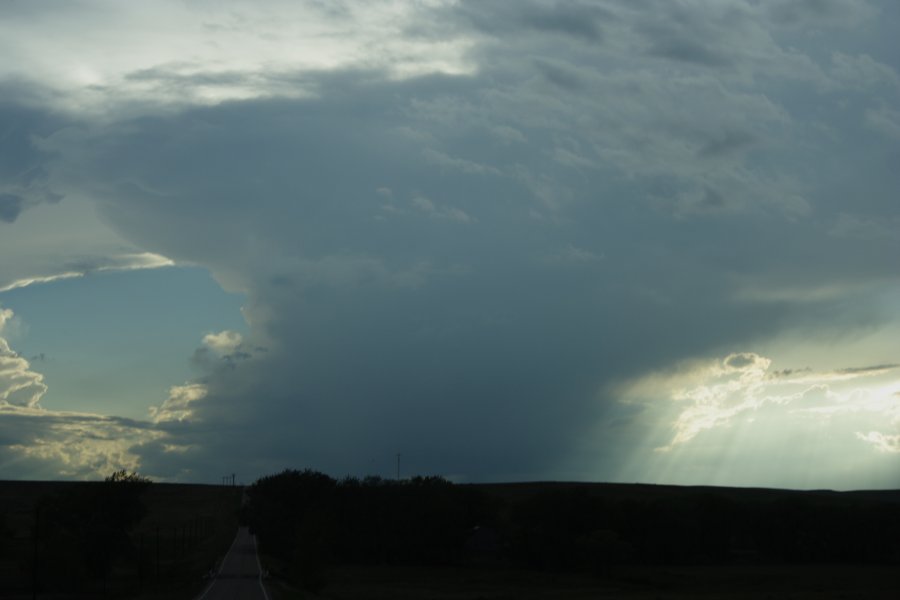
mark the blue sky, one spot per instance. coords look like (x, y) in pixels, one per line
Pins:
(116, 342)
(597, 240)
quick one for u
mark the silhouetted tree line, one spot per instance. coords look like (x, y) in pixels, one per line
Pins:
(114, 538)
(81, 532)
(309, 520)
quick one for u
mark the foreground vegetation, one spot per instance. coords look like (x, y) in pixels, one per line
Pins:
(731, 582)
(321, 534)
(122, 537)
(426, 537)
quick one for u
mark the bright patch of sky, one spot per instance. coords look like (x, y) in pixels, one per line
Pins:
(113, 343)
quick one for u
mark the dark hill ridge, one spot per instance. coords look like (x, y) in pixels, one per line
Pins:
(23, 492)
(650, 491)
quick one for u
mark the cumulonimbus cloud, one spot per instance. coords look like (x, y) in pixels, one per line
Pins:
(450, 256)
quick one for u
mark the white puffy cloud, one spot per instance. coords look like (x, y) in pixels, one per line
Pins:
(224, 342)
(19, 385)
(49, 444)
(177, 407)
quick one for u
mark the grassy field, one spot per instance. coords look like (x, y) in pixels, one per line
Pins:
(187, 528)
(738, 577)
(739, 583)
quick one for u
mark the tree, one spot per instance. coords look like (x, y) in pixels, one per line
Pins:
(88, 524)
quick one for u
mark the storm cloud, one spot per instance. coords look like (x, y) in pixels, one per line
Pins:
(466, 262)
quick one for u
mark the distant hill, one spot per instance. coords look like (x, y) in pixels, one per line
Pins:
(647, 491)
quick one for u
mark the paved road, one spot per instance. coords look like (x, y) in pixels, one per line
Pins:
(238, 578)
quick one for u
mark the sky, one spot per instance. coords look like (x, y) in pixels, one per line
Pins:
(602, 240)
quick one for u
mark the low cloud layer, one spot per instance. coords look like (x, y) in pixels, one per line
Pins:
(465, 256)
